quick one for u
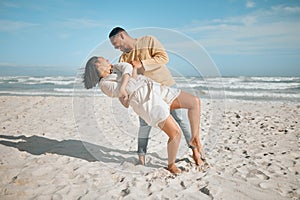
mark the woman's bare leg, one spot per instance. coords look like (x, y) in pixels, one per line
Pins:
(192, 103)
(170, 127)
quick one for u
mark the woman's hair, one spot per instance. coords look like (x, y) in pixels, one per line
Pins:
(91, 74)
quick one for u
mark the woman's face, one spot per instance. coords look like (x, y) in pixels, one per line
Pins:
(104, 66)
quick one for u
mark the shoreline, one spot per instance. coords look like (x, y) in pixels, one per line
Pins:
(262, 100)
(44, 154)
(249, 88)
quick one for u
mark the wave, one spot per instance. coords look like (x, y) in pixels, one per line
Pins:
(59, 80)
(254, 94)
(49, 93)
(286, 88)
(273, 79)
(237, 83)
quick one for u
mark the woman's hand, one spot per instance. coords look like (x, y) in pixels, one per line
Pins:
(136, 64)
(123, 98)
(123, 95)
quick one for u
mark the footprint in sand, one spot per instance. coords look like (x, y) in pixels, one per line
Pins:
(257, 173)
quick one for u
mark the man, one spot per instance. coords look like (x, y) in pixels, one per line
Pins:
(150, 58)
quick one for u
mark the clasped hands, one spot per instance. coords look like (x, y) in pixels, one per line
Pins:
(136, 64)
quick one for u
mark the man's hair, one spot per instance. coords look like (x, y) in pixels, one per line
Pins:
(115, 31)
(91, 74)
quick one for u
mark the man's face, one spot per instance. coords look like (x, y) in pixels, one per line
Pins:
(119, 43)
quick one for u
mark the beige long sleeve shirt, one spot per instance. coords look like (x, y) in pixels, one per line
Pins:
(154, 58)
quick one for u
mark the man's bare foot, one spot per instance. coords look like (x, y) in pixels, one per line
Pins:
(173, 169)
(142, 160)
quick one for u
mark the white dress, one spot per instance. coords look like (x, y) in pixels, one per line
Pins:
(150, 100)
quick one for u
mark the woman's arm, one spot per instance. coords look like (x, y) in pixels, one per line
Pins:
(134, 72)
(127, 72)
(115, 89)
(123, 95)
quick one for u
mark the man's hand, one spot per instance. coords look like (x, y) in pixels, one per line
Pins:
(123, 97)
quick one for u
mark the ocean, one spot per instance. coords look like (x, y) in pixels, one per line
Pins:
(245, 88)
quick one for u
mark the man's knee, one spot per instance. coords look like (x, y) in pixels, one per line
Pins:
(178, 114)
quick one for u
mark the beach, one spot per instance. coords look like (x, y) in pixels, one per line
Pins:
(50, 151)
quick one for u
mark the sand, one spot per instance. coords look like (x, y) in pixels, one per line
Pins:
(62, 148)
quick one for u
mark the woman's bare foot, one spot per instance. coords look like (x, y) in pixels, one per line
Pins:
(142, 160)
(173, 169)
(198, 153)
(199, 160)
(195, 142)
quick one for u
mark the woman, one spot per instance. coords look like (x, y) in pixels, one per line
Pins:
(150, 100)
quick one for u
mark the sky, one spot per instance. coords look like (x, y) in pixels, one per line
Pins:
(241, 37)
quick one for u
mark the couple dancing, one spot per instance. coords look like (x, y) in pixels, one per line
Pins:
(141, 80)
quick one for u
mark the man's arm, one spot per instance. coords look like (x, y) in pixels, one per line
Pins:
(158, 54)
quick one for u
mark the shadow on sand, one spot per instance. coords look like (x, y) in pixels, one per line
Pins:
(37, 145)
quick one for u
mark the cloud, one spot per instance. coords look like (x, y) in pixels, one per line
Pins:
(260, 32)
(286, 9)
(4, 64)
(9, 4)
(10, 26)
(250, 4)
(80, 23)
(18, 65)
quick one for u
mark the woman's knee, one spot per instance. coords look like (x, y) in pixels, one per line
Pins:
(176, 133)
(170, 127)
(197, 101)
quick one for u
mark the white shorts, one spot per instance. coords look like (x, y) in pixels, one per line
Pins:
(152, 102)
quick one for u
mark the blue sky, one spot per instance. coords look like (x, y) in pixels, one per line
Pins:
(243, 37)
